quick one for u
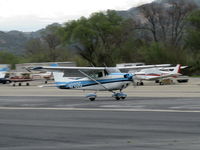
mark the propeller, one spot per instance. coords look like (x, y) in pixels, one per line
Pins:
(130, 76)
(133, 80)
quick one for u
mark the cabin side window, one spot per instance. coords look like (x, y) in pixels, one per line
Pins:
(97, 74)
(100, 74)
(106, 72)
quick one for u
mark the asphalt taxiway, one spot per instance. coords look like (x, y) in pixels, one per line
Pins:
(152, 117)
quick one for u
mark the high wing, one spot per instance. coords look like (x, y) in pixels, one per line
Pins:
(68, 68)
(70, 71)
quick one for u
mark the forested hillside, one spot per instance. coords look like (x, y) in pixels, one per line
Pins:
(165, 31)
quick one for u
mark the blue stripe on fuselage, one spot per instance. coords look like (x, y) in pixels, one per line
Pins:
(89, 82)
(118, 73)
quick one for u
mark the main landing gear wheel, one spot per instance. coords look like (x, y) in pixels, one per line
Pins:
(123, 97)
(91, 97)
(140, 83)
(119, 96)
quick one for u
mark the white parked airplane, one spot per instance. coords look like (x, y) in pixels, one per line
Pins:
(91, 78)
(154, 74)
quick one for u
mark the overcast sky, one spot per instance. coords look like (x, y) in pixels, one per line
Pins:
(32, 15)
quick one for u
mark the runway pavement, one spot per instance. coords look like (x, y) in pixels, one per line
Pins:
(151, 118)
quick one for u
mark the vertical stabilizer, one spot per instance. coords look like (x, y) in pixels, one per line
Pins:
(2, 75)
(59, 77)
(3, 72)
(177, 69)
(4, 69)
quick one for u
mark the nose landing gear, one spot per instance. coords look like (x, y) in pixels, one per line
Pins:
(119, 96)
(91, 96)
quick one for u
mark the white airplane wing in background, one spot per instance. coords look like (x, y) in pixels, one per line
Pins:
(172, 68)
(133, 69)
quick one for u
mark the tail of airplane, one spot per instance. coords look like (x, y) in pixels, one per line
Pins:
(177, 69)
(2, 75)
(5, 69)
(60, 79)
(3, 72)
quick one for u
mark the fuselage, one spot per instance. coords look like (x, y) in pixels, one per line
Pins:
(147, 76)
(113, 81)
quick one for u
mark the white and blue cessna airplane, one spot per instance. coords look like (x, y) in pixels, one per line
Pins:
(91, 78)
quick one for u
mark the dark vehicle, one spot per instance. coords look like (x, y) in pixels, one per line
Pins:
(4, 80)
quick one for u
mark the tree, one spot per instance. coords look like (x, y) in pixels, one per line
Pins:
(98, 38)
(52, 40)
(193, 40)
(47, 48)
(8, 58)
(36, 51)
(193, 36)
(166, 21)
(157, 53)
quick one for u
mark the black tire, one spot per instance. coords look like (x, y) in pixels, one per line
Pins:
(27, 84)
(117, 98)
(20, 84)
(14, 84)
(46, 82)
(141, 83)
(123, 97)
(92, 99)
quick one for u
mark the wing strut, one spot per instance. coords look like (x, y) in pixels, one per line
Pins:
(96, 81)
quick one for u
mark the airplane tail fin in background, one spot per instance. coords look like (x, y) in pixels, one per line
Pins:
(59, 78)
(4, 69)
(3, 72)
(177, 69)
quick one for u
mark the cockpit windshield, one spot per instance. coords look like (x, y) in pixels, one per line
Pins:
(112, 70)
(95, 74)
(102, 73)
